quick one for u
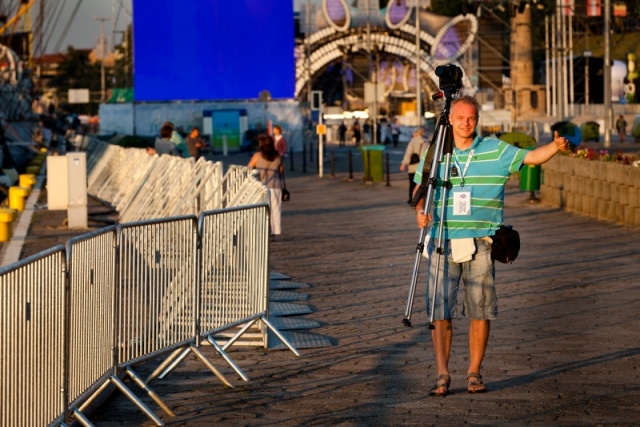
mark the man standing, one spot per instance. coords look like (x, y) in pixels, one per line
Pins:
(621, 127)
(480, 168)
(281, 143)
(194, 143)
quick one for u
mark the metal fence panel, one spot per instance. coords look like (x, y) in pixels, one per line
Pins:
(159, 190)
(234, 265)
(211, 194)
(102, 168)
(155, 291)
(233, 180)
(251, 191)
(91, 260)
(201, 176)
(32, 294)
(125, 173)
(133, 173)
(95, 152)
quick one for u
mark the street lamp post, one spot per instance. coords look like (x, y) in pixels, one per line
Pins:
(607, 74)
(418, 89)
(101, 53)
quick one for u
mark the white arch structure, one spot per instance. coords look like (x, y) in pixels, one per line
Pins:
(330, 43)
(10, 66)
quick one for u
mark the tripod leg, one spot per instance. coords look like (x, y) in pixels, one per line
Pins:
(440, 246)
(414, 279)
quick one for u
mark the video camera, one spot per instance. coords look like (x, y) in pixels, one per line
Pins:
(450, 79)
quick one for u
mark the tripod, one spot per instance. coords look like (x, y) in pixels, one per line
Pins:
(443, 140)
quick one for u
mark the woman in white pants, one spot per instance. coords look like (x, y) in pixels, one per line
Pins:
(269, 163)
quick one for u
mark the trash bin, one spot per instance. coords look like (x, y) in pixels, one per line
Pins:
(590, 131)
(373, 162)
(530, 178)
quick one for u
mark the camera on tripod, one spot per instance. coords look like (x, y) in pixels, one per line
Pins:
(450, 78)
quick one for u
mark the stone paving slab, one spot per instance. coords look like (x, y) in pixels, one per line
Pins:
(564, 351)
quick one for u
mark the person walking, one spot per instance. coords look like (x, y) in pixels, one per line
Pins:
(280, 142)
(268, 162)
(342, 134)
(474, 211)
(395, 132)
(415, 149)
(357, 132)
(621, 127)
(366, 131)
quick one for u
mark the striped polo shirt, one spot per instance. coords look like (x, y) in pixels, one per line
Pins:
(485, 175)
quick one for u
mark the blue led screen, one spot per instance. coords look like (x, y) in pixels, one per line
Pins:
(212, 49)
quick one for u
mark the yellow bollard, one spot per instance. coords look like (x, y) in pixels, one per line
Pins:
(27, 180)
(6, 224)
(36, 162)
(33, 169)
(16, 197)
(14, 212)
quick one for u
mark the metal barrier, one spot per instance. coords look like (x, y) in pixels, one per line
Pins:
(91, 262)
(155, 294)
(233, 291)
(233, 180)
(234, 274)
(102, 163)
(32, 339)
(121, 296)
(142, 186)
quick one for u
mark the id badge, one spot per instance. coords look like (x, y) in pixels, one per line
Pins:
(462, 202)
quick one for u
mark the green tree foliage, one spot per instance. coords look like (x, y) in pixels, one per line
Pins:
(77, 72)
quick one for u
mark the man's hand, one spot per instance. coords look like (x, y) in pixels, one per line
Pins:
(545, 152)
(422, 218)
(561, 142)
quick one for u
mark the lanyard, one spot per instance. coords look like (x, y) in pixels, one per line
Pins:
(466, 166)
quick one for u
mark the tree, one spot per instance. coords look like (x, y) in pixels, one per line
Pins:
(77, 72)
(123, 70)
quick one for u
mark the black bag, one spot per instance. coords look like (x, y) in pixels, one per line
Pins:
(415, 158)
(506, 244)
(285, 193)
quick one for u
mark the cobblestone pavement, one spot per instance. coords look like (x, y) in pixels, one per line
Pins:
(564, 351)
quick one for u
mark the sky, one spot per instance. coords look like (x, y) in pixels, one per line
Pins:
(84, 30)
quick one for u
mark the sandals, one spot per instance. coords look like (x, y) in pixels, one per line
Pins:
(441, 388)
(474, 383)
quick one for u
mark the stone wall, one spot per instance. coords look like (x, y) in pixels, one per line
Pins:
(602, 190)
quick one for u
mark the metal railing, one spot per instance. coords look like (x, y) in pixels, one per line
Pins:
(89, 332)
(32, 339)
(123, 295)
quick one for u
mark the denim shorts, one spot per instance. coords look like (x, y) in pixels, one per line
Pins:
(478, 278)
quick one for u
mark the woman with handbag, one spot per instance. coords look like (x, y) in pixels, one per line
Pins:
(268, 162)
(411, 158)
